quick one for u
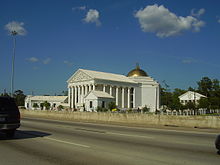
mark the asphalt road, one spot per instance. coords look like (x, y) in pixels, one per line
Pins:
(50, 142)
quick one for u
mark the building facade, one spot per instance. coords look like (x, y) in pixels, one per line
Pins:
(136, 90)
(190, 96)
(34, 102)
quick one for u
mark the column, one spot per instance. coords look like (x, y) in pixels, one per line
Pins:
(103, 87)
(75, 95)
(79, 94)
(82, 96)
(90, 86)
(110, 90)
(134, 98)
(93, 86)
(72, 98)
(129, 98)
(116, 96)
(123, 98)
(69, 91)
(86, 89)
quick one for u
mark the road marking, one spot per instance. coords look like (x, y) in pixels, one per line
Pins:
(129, 135)
(66, 142)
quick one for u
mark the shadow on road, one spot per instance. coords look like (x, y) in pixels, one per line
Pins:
(21, 134)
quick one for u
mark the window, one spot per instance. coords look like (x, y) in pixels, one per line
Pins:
(90, 104)
(103, 104)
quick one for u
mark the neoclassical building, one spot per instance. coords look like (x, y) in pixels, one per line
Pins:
(89, 89)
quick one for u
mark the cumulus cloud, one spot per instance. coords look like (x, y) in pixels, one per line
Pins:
(159, 20)
(92, 16)
(16, 28)
(68, 63)
(46, 61)
(79, 8)
(198, 13)
(32, 59)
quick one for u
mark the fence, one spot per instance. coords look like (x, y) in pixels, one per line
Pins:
(188, 112)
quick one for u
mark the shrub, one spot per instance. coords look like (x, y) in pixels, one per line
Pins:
(146, 109)
(60, 107)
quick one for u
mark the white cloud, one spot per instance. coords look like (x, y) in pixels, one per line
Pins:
(79, 8)
(15, 27)
(92, 16)
(199, 13)
(68, 63)
(46, 61)
(159, 20)
(189, 61)
(33, 59)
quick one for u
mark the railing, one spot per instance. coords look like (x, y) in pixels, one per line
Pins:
(188, 112)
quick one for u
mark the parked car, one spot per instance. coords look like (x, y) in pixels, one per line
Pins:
(9, 116)
(217, 143)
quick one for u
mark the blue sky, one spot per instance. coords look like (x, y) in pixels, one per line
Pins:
(176, 41)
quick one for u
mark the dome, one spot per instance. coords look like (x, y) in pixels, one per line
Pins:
(137, 72)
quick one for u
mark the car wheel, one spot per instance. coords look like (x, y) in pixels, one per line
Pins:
(10, 133)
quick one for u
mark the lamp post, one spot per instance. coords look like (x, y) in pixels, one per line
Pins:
(13, 33)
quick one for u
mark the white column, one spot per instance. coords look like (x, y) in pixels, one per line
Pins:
(75, 95)
(111, 90)
(123, 98)
(86, 89)
(116, 96)
(82, 94)
(72, 98)
(103, 87)
(134, 98)
(90, 87)
(93, 86)
(69, 91)
(129, 98)
(79, 94)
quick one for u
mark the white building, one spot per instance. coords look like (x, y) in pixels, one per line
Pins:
(54, 101)
(190, 97)
(136, 90)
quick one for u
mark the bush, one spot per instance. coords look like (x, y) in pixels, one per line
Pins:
(60, 107)
(112, 106)
(146, 109)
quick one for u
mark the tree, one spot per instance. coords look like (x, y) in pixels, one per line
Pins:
(203, 103)
(190, 105)
(19, 97)
(205, 86)
(46, 105)
(35, 105)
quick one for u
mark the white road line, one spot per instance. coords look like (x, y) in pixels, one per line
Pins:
(66, 142)
(139, 136)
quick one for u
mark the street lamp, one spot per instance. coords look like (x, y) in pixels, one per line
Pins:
(14, 28)
(13, 33)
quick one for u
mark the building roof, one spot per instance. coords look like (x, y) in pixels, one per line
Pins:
(191, 94)
(104, 76)
(47, 98)
(100, 94)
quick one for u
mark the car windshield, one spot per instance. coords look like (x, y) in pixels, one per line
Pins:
(7, 104)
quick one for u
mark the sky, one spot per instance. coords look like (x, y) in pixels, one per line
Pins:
(172, 40)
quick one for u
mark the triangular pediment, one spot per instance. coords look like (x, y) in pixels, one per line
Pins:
(79, 76)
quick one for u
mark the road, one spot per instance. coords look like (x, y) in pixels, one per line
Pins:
(50, 142)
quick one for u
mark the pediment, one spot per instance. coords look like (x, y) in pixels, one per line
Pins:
(79, 76)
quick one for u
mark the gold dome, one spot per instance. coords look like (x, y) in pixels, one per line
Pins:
(137, 72)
